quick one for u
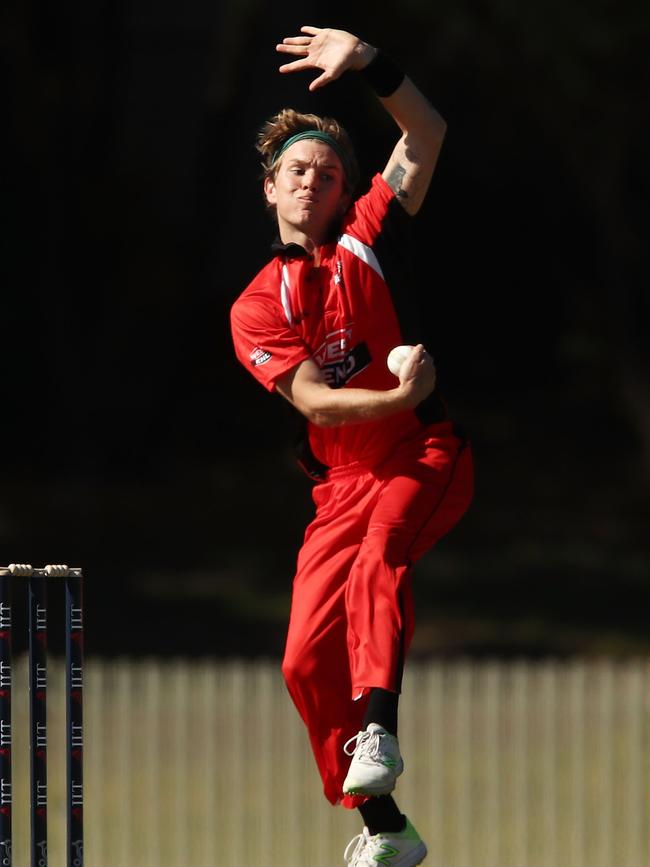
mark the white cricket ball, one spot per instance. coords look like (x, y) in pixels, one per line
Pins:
(397, 357)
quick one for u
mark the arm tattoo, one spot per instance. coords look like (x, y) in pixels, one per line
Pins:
(395, 179)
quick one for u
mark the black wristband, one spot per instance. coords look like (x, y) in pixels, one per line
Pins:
(383, 75)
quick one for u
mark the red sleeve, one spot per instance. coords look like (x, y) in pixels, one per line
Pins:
(365, 218)
(264, 342)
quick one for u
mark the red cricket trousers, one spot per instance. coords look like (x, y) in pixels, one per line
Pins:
(352, 617)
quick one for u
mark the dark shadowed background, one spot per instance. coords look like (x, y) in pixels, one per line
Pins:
(133, 443)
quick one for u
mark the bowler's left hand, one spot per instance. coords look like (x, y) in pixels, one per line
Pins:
(333, 51)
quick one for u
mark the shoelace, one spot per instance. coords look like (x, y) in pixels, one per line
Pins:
(366, 850)
(365, 744)
(353, 856)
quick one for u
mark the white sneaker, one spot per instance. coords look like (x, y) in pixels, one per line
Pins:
(395, 849)
(376, 762)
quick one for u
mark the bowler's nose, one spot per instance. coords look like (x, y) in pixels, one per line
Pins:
(310, 179)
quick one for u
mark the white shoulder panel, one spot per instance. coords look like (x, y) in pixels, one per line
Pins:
(284, 292)
(363, 251)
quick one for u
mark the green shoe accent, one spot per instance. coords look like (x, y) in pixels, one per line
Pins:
(389, 853)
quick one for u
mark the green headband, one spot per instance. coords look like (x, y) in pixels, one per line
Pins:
(319, 136)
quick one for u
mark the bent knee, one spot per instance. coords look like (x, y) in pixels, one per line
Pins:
(390, 545)
(296, 666)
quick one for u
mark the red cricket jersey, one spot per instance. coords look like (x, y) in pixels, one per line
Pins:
(341, 314)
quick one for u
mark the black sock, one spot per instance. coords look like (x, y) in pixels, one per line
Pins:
(382, 709)
(382, 815)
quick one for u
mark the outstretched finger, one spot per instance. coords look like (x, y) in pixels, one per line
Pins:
(292, 49)
(323, 79)
(296, 40)
(313, 31)
(295, 65)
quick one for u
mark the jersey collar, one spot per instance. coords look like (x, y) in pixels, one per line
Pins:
(295, 251)
(290, 250)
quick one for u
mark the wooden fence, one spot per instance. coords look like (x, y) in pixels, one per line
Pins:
(206, 764)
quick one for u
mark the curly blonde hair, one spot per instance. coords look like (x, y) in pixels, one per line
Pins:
(289, 122)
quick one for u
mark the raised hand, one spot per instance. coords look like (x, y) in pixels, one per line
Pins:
(333, 51)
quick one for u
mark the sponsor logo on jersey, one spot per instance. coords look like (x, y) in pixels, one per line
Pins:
(259, 356)
(335, 347)
(349, 365)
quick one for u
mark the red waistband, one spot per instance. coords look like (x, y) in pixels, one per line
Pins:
(361, 467)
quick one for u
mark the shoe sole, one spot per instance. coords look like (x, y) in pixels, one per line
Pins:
(368, 792)
(374, 791)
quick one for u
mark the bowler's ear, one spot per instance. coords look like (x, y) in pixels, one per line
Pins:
(269, 191)
(344, 203)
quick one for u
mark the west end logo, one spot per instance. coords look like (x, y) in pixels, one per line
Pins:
(347, 365)
(259, 356)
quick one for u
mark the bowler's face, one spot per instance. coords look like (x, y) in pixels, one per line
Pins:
(308, 190)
